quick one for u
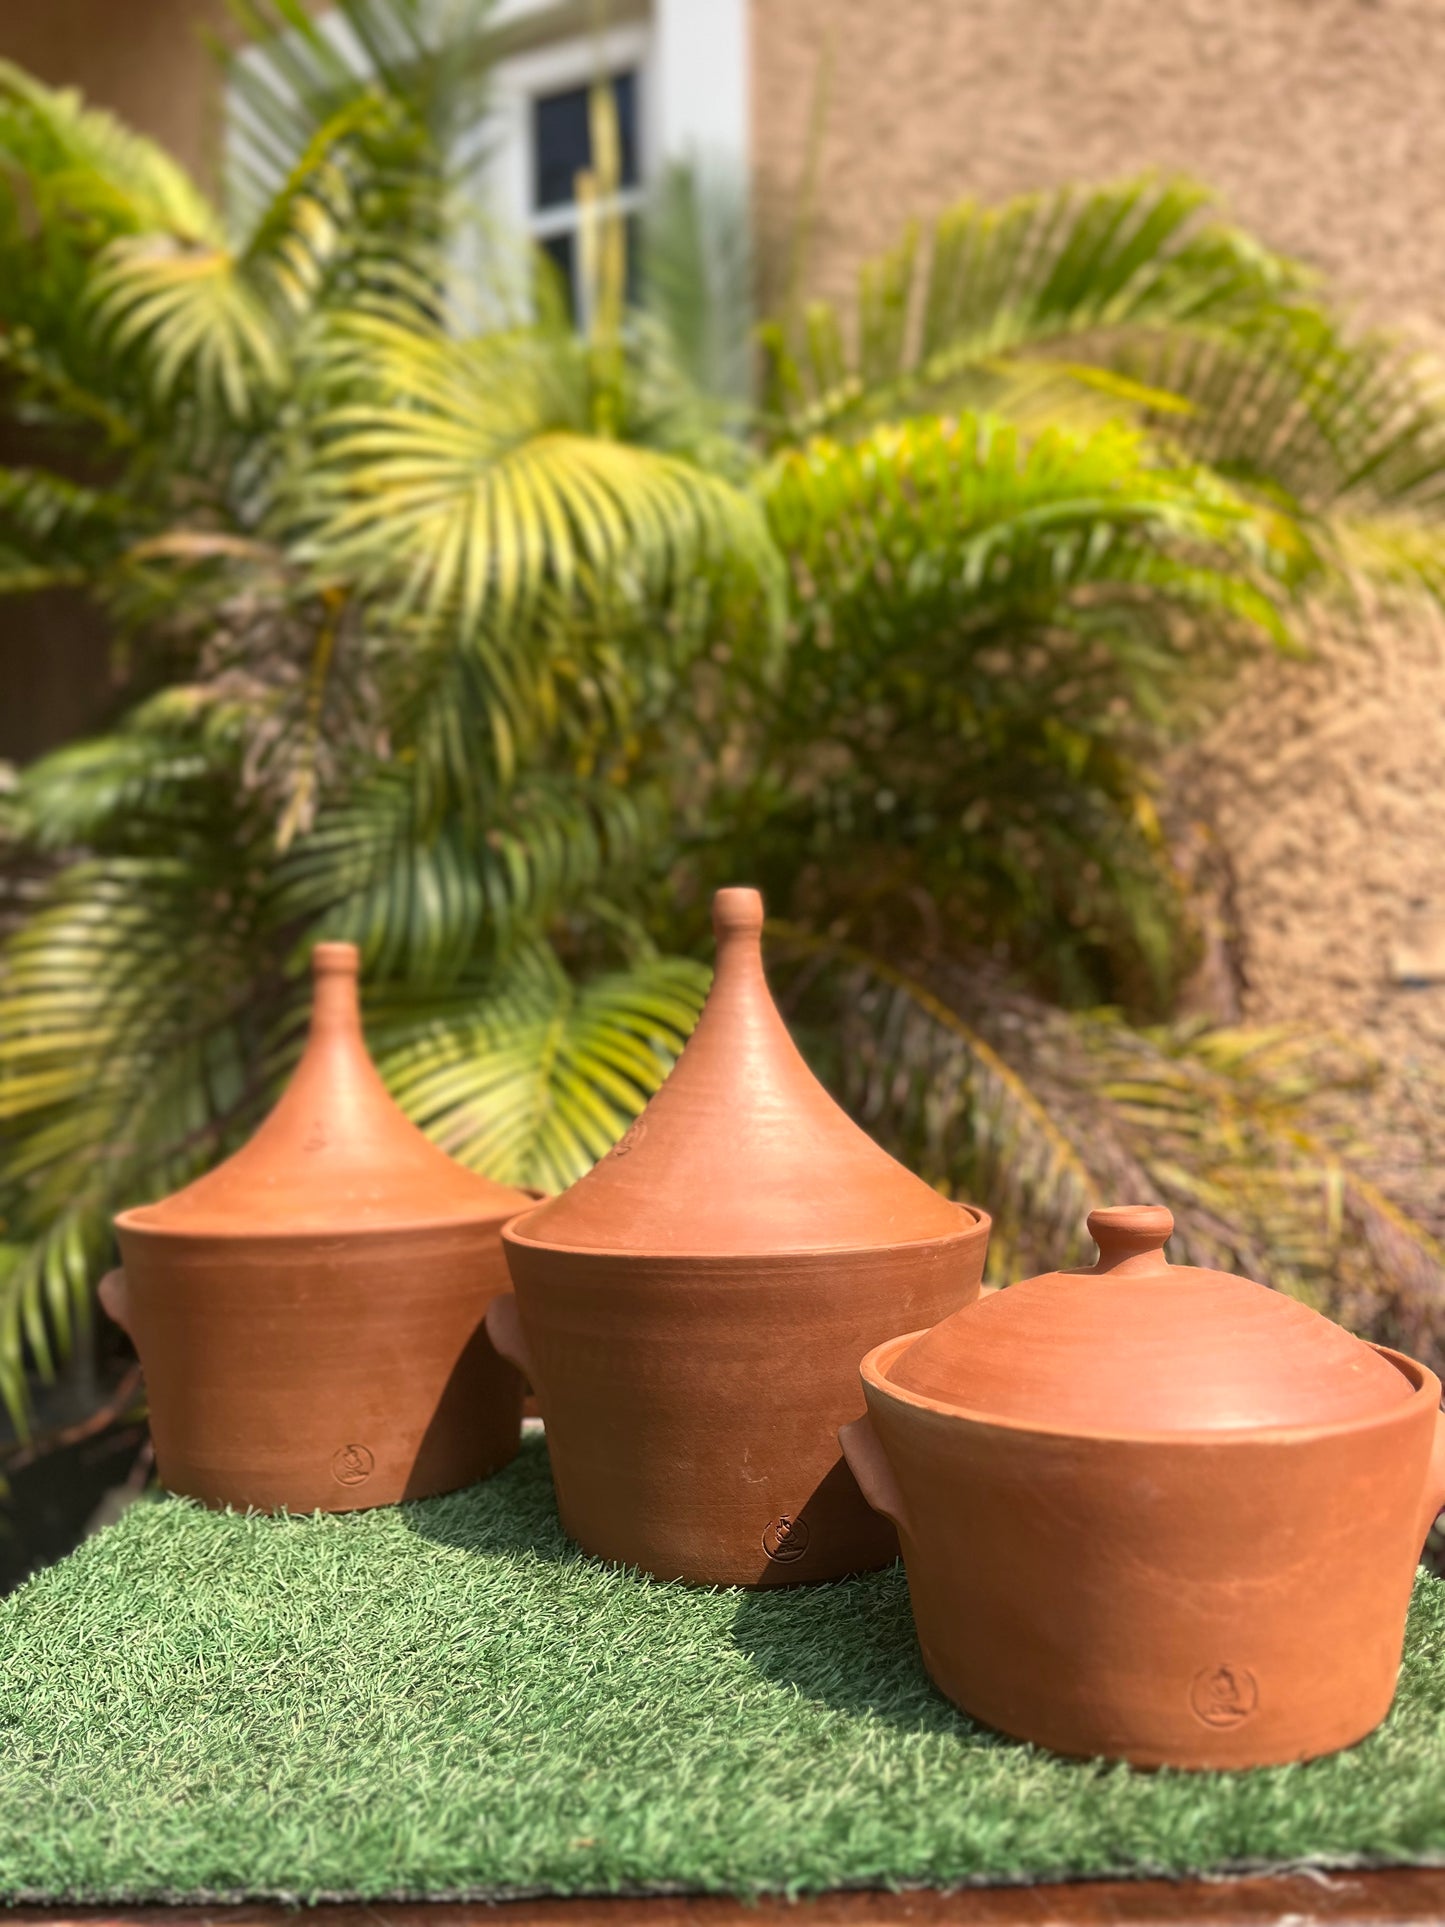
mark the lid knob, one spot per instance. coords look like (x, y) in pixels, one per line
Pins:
(1131, 1237)
(737, 912)
(335, 1007)
(737, 923)
(335, 960)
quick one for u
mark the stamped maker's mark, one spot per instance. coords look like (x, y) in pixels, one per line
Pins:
(1223, 1695)
(785, 1539)
(352, 1465)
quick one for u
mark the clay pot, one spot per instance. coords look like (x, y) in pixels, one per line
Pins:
(1155, 1513)
(309, 1314)
(691, 1313)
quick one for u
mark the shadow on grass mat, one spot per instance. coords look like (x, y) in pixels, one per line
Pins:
(447, 1700)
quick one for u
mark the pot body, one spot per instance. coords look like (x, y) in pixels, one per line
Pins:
(692, 1404)
(1205, 1600)
(317, 1372)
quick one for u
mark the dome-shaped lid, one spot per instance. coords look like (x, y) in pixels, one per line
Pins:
(337, 1153)
(1134, 1344)
(742, 1150)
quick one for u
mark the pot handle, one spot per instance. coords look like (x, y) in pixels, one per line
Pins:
(504, 1328)
(1434, 1480)
(115, 1298)
(869, 1465)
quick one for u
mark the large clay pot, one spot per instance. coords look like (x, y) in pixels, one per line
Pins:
(691, 1313)
(310, 1314)
(1155, 1513)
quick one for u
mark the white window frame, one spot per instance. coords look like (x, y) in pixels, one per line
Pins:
(691, 57)
(520, 80)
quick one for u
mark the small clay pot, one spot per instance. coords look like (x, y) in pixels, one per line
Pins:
(691, 1313)
(310, 1314)
(1154, 1513)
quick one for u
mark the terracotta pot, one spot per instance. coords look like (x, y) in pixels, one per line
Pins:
(310, 1314)
(1155, 1513)
(691, 1312)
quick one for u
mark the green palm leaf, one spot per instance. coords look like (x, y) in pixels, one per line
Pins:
(84, 163)
(421, 68)
(55, 532)
(424, 904)
(468, 477)
(993, 634)
(122, 1072)
(1061, 275)
(532, 1078)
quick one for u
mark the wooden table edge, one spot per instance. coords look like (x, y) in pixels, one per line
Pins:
(1383, 1897)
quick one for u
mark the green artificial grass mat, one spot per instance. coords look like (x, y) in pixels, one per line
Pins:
(447, 1699)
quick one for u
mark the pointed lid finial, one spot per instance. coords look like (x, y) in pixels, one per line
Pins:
(742, 1150)
(337, 1153)
(1133, 1344)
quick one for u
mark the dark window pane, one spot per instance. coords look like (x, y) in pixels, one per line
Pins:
(562, 140)
(562, 145)
(624, 92)
(561, 250)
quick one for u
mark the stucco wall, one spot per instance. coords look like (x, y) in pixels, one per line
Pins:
(1321, 122)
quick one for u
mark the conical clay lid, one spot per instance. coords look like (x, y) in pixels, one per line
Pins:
(1134, 1344)
(337, 1153)
(742, 1150)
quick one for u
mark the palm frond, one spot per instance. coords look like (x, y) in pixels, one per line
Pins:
(1227, 1121)
(530, 1077)
(1137, 300)
(992, 635)
(186, 315)
(1035, 278)
(419, 71)
(1041, 1113)
(423, 905)
(81, 163)
(696, 274)
(930, 1085)
(1298, 408)
(54, 531)
(466, 476)
(219, 318)
(122, 1070)
(1005, 516)
(137, 787)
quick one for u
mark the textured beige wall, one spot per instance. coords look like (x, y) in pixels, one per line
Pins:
(1321, 122)
(1325, 787)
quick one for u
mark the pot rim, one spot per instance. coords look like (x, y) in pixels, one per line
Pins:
(980, 1227)
(1426, 1390)
(128, 1221)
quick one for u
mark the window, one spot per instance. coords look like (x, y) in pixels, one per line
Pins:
(678, 71)
(561, 149)
(539, 135)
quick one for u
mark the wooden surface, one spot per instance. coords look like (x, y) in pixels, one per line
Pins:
(1396, 1897)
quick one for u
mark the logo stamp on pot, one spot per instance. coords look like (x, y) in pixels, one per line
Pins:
(1223, 1695)
(785, 1539)
(352, 1465)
